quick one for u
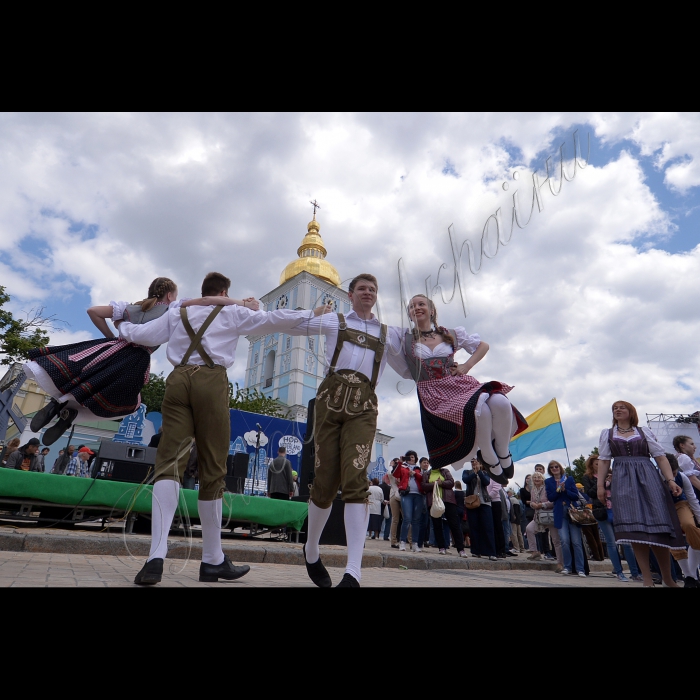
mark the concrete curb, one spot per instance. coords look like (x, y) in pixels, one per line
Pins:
(258, 552)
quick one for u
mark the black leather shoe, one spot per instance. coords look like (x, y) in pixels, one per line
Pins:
(317, 572)
(211, 573)
(67, 416)
(498, 478)
(508, 471)
(690, 582)
(151, 573)
(348, 581)
(394, 546)
(44, 416)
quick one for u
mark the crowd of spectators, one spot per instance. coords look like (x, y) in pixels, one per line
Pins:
(496, 522)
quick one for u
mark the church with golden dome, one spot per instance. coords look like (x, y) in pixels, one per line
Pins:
(290, 368)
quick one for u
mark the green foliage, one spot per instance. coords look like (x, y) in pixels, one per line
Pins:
(18, 337)
(152, 393)
(579, 468)
(254, 401)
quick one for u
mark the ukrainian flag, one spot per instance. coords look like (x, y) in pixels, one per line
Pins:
(544, 433)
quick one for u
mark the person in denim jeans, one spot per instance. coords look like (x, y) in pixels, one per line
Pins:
(562, 492)
(409, 478)
(590, 484)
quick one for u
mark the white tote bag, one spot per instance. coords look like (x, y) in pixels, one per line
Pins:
(438, 507)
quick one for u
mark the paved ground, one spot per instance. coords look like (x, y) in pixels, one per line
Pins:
(26, 569)
(92, 556)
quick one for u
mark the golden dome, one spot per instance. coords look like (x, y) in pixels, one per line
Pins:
(311, 258)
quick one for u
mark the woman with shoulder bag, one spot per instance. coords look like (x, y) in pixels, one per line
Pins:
(442, 479)
(544, 518)
(478, 505)
(562, 492)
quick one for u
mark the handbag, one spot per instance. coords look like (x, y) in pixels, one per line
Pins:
(545, 517)
(472, 501)
(438, 508)
(581, 516)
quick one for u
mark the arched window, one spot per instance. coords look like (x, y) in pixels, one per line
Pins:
(269, 368)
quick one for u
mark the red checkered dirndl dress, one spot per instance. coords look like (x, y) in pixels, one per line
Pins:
(450, 406)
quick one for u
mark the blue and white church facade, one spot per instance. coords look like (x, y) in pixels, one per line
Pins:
(291, 368)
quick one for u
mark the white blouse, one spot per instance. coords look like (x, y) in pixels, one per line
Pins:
(604, 446)
(463, 340)
(688, 465)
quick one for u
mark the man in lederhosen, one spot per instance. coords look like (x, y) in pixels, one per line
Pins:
(345, 423)
(196, 405)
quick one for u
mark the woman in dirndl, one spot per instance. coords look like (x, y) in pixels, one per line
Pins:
(459, 414)
(645, 516)
(102, 380)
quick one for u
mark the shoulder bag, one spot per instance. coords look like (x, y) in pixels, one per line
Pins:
(437, 510)
(474, 501)
(545, 517)
(581, 515)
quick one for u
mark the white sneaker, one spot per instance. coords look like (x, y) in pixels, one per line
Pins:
(464, 554)
(581, 573)
(402, 546)
(416, 548)
(565, 571)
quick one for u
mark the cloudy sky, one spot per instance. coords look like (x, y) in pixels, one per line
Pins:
(593, 301)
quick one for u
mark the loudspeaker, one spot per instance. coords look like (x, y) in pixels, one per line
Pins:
(308, 453)
(118, 461)
(240, 465)
(237, 471)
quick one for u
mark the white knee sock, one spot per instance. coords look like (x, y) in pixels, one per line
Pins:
(693, 562)
(356, 520)
(685, 567)
(502, 422)
(484, 430)
(210, 517)
(165, 497)
(318, 517)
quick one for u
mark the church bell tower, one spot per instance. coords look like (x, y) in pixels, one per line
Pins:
(291, 368)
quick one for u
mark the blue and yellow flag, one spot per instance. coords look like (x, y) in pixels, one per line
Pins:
(544, 433)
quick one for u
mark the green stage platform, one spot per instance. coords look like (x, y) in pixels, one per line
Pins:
(71, 491)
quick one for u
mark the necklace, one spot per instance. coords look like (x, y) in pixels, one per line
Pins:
(428, 334)
(624, 430)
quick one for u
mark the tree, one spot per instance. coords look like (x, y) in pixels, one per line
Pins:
(579, 467)
(18, 337)
(254, 401)
(152, 393)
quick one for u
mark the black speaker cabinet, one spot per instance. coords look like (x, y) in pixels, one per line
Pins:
(334, 532)
(118, 461)
(240, 465)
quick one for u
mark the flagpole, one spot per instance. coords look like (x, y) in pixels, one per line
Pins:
(562, 432)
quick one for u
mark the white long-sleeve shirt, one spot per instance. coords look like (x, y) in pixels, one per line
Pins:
(354, 357)
(220, 339)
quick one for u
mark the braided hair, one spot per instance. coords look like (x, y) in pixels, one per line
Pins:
(446, 335)
(156, 292)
